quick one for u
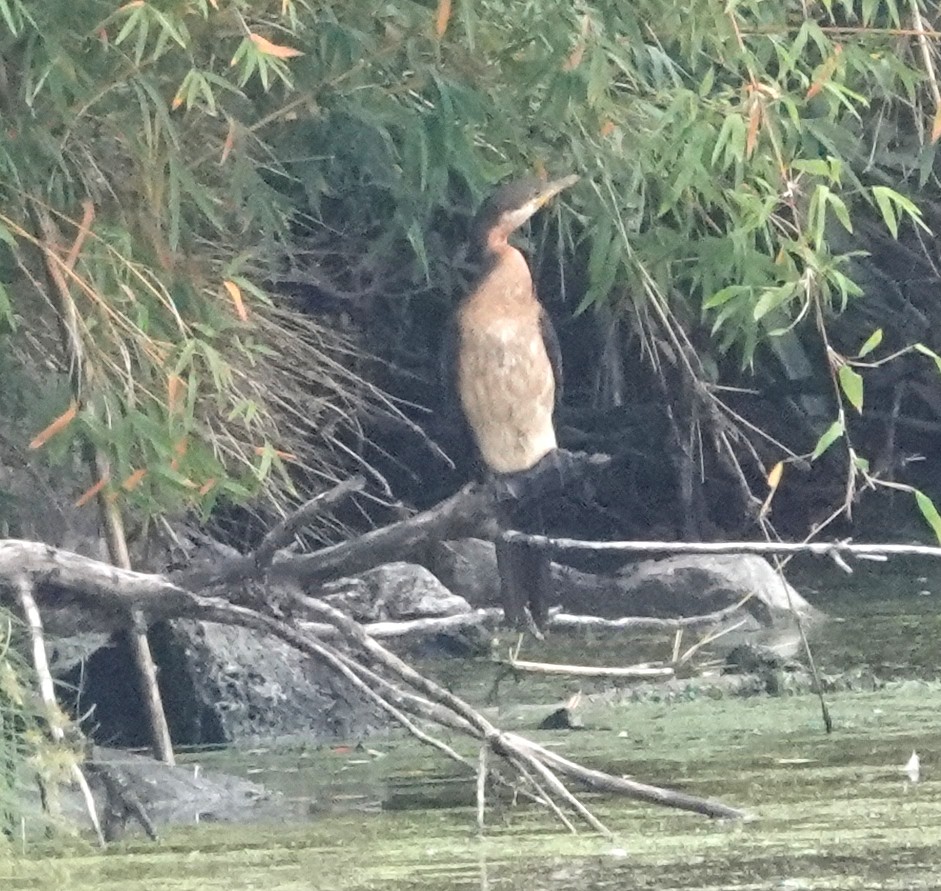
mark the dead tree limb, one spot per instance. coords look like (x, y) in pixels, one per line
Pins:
(465, 514)
(60, 577)
(257, 562)
(875, 551)
(24, 596)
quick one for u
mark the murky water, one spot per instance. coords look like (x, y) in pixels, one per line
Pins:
(830, 811)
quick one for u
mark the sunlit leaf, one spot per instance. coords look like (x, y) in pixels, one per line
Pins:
(754, 121)
(236, 294)
(871, 343)
(929, 512)
(775, 474)
(851, 383)
(930, 353)
(268, 48)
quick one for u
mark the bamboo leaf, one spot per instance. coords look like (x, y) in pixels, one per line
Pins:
(267, 48)
(830, 436)
(871, 343)
(91, 492)
(930, 353)
(929, 512)
(774, 475)
(56, 427)
(851, 383)
(442, 17)
(236, 294)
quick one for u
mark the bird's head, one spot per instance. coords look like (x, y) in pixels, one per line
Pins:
(512, 204)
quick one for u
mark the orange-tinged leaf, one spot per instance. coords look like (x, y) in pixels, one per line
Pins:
(235, 292)
(607, 128)
(578, 51)
(229, 142)
(57, 426)
(273, 49)
(774, 475)
(179, 449)
(177, 102)
(206, 486)
(133, 481)
(575, 57)
(754, 122)
(826, 72)
(936, 126)
(284, 456)
(442, 18)
(132, 5)
(88, 494)
(174, 388)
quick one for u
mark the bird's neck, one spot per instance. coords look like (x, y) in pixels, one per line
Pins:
(495, 251)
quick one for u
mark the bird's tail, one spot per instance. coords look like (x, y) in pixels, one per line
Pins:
(525, 572)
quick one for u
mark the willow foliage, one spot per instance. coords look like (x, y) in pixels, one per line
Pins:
(190, 154)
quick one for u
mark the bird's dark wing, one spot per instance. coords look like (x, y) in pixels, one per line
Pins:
(551, 341)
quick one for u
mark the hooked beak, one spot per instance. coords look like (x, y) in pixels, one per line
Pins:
(553, 187)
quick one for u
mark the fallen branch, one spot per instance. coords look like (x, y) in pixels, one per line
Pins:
(60, 577)
(465, 514)
(561, 621)
(252, 565)
(631, 672)
(875, 551)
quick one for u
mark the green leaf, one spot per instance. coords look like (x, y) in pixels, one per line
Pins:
(832, 434)
(929, 512)
(887, 208)
(725, 295)
(892, 205)
(770, 299)
(930, 353)
(851, 383)
(840, 211)
(871, 343)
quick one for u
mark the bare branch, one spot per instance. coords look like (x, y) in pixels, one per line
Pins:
(875, 551)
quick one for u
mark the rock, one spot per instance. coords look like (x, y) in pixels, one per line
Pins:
(684, 585)
(224, 684)
(690, 584)
(220, 685)
(468, 568)
(184, 794)
(393, 592)
(561, 719)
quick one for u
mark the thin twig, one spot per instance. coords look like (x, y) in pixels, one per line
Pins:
(874, 551)
(24, 596)
(633, 672)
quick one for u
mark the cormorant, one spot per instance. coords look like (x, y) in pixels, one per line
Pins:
(504, 365)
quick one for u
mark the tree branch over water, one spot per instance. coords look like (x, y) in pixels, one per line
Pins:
(61, 578)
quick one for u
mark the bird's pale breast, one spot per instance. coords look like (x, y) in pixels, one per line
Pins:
(505, 378)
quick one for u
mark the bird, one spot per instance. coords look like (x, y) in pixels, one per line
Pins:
(503, 368)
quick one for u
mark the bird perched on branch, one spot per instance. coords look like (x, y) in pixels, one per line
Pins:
(502, 361)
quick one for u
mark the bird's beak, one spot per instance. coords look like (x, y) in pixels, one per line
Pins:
(553, 187)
